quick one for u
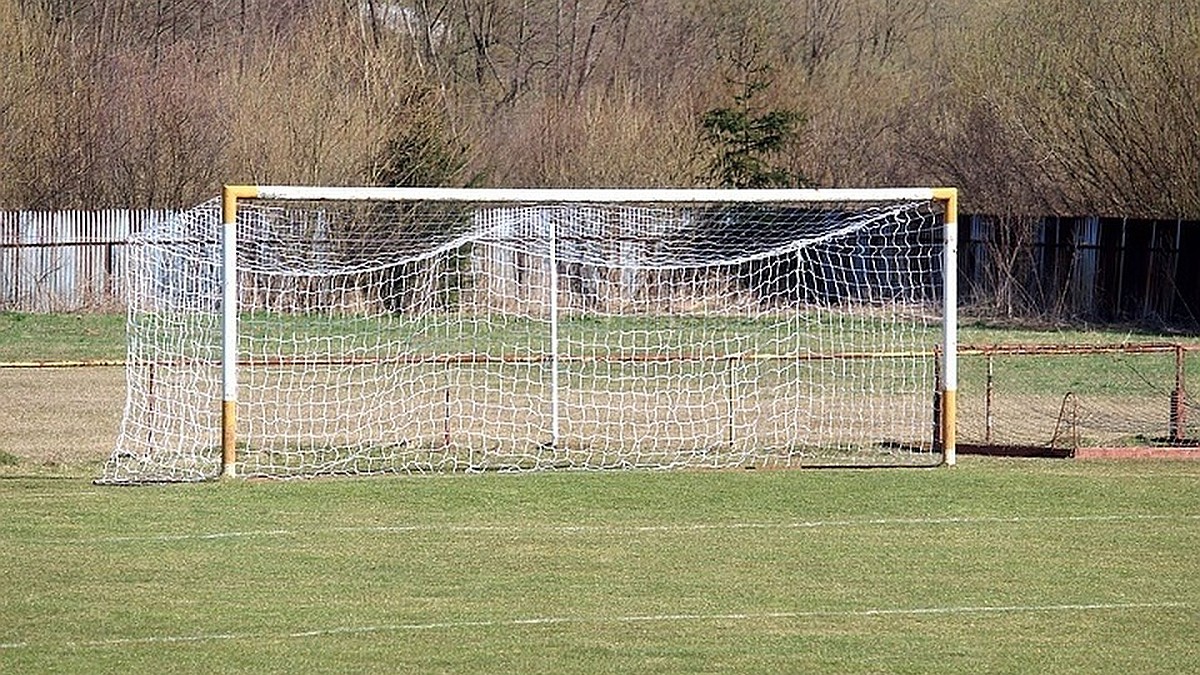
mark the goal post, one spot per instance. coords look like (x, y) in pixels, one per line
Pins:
(367, 330)
(948, 387)
(229, 324)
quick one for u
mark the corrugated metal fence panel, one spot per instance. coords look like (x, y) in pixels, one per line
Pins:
(56, 261)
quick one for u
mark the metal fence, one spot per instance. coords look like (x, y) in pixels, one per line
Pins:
(1090, 268)
(60, 261)
(1106, 270)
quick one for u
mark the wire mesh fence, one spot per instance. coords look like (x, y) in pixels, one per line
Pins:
(1071, 396)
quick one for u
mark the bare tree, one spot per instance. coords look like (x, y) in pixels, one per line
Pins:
(1099, 95)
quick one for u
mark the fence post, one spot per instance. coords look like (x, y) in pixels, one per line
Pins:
(1177, 429)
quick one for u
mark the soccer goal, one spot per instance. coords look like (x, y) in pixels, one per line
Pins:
(302, 331)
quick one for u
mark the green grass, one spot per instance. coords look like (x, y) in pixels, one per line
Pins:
(1109, 374)
(61, 337)
(1013, 566)
(87, 336)
(586, 335)
(982, 333)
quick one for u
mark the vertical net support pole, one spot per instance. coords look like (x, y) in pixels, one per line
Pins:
(949, 199)
(554, 347)
(229, 325)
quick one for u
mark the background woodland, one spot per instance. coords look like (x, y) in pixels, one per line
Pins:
(1029, 106)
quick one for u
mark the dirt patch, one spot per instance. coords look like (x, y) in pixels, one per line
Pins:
(60, 416)
(1137, 453)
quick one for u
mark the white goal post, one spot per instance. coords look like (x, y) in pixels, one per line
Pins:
(287, 331)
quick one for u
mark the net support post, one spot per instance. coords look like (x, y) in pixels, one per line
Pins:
(555, 410)
(229, 324)
(949, 380)
(1177, 418)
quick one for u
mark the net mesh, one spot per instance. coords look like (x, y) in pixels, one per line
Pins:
(429, 337)
(1060, 396)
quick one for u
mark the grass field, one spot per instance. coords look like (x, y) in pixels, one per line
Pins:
(996, 565)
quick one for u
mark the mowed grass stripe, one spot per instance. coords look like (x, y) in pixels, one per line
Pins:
(657, 618)
(625, 530)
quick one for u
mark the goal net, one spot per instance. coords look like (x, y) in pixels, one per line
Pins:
(364, 331)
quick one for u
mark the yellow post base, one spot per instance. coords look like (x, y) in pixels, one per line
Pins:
(228, 437)
(949, 415)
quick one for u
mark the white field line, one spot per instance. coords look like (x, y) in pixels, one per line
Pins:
(631, 529)
(630, 619)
